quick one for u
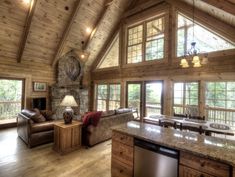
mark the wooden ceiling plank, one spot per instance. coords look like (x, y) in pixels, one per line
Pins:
(141, 7)
(105, 48)
(226, 6)
(109, 40)
(98, 23)
(66, 32)
(26, 29)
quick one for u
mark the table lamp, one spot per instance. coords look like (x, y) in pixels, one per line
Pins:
(68, 102)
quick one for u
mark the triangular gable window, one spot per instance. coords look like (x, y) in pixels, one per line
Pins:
(111, 57)
(206, 40)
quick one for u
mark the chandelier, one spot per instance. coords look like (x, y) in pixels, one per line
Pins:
(193, 52)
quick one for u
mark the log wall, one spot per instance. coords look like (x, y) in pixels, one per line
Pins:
(221, 64)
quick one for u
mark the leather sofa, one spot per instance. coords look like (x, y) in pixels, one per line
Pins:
(32, 133)
(92, 135)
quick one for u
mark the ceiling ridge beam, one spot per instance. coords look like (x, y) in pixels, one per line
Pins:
(66, 32)
(142, 7)
(223, 5)
(26, 30)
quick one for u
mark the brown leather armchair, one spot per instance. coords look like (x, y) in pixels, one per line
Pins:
(32, 133)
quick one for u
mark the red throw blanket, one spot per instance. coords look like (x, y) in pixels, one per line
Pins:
(92, 118)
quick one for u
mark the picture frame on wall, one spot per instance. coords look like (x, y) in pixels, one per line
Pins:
(39, 86)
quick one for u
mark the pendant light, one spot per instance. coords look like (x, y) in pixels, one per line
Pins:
(193, 52)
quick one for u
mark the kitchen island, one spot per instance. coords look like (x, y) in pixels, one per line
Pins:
(199, 155)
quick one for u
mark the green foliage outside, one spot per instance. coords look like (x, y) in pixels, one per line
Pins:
(10, 98)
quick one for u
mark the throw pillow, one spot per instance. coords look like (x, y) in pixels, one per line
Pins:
(91, 118)
(96, 118)
(38, 117)
(48, 115)
(86, 118)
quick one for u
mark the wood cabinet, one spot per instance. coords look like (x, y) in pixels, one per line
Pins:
(67, 137)
(202, 167)
(189, 172)
(122, 155)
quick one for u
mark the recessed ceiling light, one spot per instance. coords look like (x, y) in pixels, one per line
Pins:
(82, 56)
(88, 30)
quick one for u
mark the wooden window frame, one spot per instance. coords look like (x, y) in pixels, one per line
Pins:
(144, 22)
(184, 95)
(217, 108)
(108, 94)
(203, 24)
(142, 43)
(142, 112)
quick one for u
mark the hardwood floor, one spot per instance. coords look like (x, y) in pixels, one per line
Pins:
(16, 160)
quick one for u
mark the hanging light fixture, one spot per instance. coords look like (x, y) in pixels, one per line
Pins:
(193, 52)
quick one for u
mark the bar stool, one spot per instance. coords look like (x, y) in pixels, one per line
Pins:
(180, 115)
(191, 127)
(197, 117)
(167, 123)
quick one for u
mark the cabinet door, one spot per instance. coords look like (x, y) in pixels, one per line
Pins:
(120, 169)
(188, 172)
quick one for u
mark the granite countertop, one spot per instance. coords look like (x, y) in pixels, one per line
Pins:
(206, 125)
(219, 149)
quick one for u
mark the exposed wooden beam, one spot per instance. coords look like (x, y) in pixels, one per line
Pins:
(26, 29)
(110, 38)
(98, 23)
(224, 5)
(142, 7)
(66, 32)
(105, 48)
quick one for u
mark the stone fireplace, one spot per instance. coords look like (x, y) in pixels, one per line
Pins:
(69, 82)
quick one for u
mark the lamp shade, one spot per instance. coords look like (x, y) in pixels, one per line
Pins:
(196, 59)
(68, 101)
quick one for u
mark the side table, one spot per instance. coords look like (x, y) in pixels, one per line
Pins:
(67, 137)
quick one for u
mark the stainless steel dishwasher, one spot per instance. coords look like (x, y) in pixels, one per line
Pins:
(151, 160)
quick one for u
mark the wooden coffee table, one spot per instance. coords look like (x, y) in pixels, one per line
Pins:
(67, 137)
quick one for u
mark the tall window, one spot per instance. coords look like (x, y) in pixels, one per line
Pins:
(10, 99)
(206, 40)
(155, 40)
(146, 97)
(186, 97)
(153, 98)
(108, 97)
(135, 38)
(146, 41)
(220, 102)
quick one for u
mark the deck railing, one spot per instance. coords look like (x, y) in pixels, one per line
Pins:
(219, 115)
(9, 109)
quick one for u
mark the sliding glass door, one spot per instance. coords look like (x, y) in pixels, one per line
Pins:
(153, 98)
(11, 99)
(134, 96)
(146, 97)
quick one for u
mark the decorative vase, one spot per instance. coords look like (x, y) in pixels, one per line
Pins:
(68, 115)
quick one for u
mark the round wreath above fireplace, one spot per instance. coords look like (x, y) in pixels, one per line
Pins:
(70, 70)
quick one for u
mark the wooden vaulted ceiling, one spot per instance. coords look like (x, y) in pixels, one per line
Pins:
(44, 30)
